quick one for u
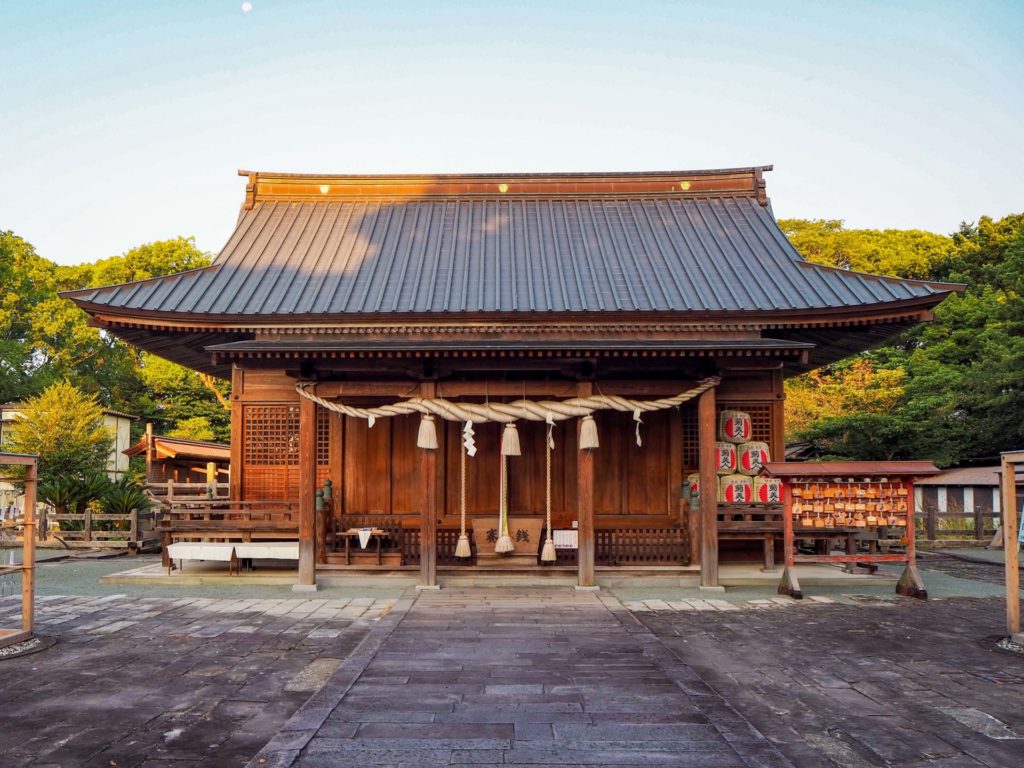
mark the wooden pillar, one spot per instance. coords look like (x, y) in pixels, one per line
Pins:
(428, 504)
(28, 552)
(235, 473)
(585, 499)
(1011, 547)
(149, 452)
(708, 489)
(307, 494)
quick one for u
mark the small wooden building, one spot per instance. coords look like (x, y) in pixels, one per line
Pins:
(181, 461)
(371, 291)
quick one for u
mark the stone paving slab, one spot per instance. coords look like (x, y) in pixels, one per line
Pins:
(850, 685)
(166, 681)
(536, 677)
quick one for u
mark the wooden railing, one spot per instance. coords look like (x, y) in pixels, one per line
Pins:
(226, 519)
(135, 530)
(641, 546)
(447, 540)
(170, 491)
(757, 518)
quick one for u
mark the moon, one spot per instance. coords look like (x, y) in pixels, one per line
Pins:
(246, 7)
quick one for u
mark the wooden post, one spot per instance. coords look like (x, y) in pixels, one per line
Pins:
(134, 523)
(1011, 547)
(165, 537)
(87, 523)
(149, 452)
(789, 585)
(428, 504)
(708, 489)
(307, 495)
(235, 471)
(911, 584)
(585, 500)
(28, 552)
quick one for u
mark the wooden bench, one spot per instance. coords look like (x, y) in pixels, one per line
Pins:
(753, 522)
(233, 553)
(226, 521)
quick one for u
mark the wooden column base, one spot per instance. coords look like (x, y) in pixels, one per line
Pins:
(911, 584)
(789, 584)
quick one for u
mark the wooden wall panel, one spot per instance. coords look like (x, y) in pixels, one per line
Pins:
(406, 494)
(367, 467)
(632, 480)
(647, 469)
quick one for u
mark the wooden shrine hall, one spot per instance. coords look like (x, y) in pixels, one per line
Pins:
(508, 370)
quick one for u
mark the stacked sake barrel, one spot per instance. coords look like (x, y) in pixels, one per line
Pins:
(738, 463)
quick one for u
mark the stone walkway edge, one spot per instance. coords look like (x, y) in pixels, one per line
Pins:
(284, 748)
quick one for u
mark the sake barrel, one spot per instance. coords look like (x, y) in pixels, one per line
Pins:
(725, 458)
(734, 426)
(767, 490)
(736, 489)
(751, 457)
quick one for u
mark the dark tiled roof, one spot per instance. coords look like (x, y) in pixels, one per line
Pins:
(361, 254)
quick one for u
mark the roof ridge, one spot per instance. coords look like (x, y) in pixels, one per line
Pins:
(297, 187)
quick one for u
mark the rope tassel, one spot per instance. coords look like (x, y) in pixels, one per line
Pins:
(510, 441)
(427, 437)
(588, 433)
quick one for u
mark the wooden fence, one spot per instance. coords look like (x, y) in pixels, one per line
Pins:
(956, 524)
(133, 531)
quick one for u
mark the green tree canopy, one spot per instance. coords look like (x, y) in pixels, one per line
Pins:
(963, 374)
(64, 427)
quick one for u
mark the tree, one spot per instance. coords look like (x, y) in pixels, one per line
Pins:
(64, 427)
(182, 402)
(193, 428)
(26, 280)
(963, 374)
(909, 253)
(855, 386)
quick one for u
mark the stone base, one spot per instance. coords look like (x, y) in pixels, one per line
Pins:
(712, 589)
(305, 587)
(422, 587)
(581, 588)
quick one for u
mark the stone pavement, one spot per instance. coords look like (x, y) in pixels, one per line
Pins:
(528, 676)
(531, 677)
(891, 682)
(168, 682)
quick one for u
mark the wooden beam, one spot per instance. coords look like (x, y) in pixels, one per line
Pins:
(307, 493)
(429, 506)
(706, 430)
(1011, 547)
(585, 500)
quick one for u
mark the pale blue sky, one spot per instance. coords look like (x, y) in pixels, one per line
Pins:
(124, 122)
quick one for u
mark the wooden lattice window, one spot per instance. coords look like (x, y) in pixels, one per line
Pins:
(271, 450)
(760, 426)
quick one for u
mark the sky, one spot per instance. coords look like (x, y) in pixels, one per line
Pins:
(125, 122)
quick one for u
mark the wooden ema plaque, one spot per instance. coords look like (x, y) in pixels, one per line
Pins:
(857, 502)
